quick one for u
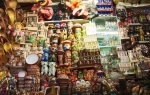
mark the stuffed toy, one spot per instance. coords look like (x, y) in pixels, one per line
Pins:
(43, 9)
(44, 69)
(52, 69)
(77, 8)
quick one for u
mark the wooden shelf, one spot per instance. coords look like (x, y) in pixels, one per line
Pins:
(81, 21)
(85, 67)
(109, 46)
(148, 42)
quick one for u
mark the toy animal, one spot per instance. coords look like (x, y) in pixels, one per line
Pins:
(52, 69)
(44, 69)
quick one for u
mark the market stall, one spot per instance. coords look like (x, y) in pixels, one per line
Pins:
(84, 47)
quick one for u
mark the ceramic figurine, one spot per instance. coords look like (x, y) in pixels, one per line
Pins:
(52, 58)
(67, 54)
(44, 69)
(80, 75)
(60, 54)
(16, 32)
(45, 56)
(50, 32)
(141, 33)
(54, 48)
(54, 38)
(75, 56)
(74, 76)
(41, 42)
(52, 69)
(113, 90)
(132, 39)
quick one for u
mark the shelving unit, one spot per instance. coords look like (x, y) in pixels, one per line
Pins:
(108, 37)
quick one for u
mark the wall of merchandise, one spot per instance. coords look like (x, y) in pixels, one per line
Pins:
(53, 52)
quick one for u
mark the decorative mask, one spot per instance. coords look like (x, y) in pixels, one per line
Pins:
(121, 12)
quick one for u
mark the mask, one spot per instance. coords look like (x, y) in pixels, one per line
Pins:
(121, 12)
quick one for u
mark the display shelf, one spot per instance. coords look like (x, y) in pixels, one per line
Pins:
(126, 38)
(109, 46)
(136, 24)
(81, 21)
(106, 32)
(16, 67)
(84, 67)
(148, 42)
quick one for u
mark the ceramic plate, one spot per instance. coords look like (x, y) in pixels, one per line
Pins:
(32, 59)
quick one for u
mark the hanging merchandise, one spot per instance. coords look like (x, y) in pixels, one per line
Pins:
(105, 7)
(43, 9)
(3, 20)
(11, 6)
(78, 9)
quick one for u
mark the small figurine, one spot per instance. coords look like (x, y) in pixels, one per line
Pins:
(113, 90)
(52, 69)
(80, 75)
(74, 76)
(46, 51)
(60, 54)
(141, 33)
(44, 69)
(132, 39)
(17, 31)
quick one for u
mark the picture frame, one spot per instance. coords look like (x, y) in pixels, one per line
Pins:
(32, 19)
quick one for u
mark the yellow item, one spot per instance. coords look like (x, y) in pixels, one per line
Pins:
(44, 3)
(12, 4)
(53, 91)
(11, 14)
(76, 3)
(116, 1)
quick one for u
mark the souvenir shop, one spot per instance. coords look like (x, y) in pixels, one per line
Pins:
(74, 47)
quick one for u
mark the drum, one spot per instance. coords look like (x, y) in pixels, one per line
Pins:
(32, 59)
(22, 74)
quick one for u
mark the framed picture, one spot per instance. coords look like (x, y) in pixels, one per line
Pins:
(32, 19)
